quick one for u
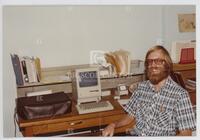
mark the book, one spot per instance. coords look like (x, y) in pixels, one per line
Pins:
(24, 70)
(190, 87)
(17, 69)
(38, 68)
(187, 56)
(191, 83)
(31, 70)
(191, 80)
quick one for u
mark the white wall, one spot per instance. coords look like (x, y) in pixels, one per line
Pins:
(64, 35)
(67, 31)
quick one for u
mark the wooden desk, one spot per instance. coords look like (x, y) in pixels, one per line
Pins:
(73, 122)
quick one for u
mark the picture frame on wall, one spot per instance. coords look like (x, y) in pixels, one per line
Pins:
(187, 22)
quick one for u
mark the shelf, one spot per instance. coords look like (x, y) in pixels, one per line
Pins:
(183, 67)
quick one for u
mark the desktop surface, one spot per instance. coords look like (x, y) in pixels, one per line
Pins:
(73, 121)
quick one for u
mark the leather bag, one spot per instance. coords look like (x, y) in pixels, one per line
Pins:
(41, 106)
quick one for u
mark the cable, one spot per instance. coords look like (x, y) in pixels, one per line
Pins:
(15, 121)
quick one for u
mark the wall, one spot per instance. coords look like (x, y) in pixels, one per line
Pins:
(170, 24)
(64, 35)
(67, 31)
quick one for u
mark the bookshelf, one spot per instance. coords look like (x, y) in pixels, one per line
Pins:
(58, 79)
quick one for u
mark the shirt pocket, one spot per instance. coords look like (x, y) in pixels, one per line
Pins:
(143, 111)
(163, 118)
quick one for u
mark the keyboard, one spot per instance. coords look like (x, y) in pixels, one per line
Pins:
(123, 101)
(94, 107)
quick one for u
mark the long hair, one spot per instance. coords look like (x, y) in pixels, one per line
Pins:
(166, 55)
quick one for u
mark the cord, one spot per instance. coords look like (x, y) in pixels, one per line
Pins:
(15, 121)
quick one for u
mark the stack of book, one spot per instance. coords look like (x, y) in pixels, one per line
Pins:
(26, 69)
(190, 84)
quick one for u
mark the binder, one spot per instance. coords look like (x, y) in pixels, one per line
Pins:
(38, 68)
(31, 71)
(17, 69)
(183, 52)
(24, 70)
(187, 56)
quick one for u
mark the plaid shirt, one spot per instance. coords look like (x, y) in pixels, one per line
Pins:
(160, 113)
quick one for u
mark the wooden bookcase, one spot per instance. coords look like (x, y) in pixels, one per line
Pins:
(188, 71)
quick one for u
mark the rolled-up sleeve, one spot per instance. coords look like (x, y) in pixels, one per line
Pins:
(185, 114)
(131, 106)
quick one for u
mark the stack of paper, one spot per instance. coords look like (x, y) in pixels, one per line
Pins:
(120, 60)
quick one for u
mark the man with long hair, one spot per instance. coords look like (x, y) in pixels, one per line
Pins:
(159, 106)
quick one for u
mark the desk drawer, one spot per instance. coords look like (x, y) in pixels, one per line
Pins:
(69, 127)
(40, 129)
(66, 126)
(110, 119)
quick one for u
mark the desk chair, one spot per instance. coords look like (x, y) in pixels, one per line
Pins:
(177, 77)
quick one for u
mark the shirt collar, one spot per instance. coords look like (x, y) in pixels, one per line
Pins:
(167, 83)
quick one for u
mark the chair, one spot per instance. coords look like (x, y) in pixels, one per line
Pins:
(177, 77)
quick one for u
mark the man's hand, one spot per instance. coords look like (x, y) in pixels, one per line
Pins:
(109, 130)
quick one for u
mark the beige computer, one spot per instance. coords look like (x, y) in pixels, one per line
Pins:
(87, 91)
(86, 85)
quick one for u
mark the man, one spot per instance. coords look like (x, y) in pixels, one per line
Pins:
(159, 106)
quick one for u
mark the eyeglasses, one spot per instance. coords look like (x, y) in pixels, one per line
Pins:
(156, 61)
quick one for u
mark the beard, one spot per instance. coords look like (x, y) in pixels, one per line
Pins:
(157, 74)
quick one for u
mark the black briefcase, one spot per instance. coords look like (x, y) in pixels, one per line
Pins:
(41, 106)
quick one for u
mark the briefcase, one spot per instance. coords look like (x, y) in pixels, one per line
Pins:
(41, 106)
